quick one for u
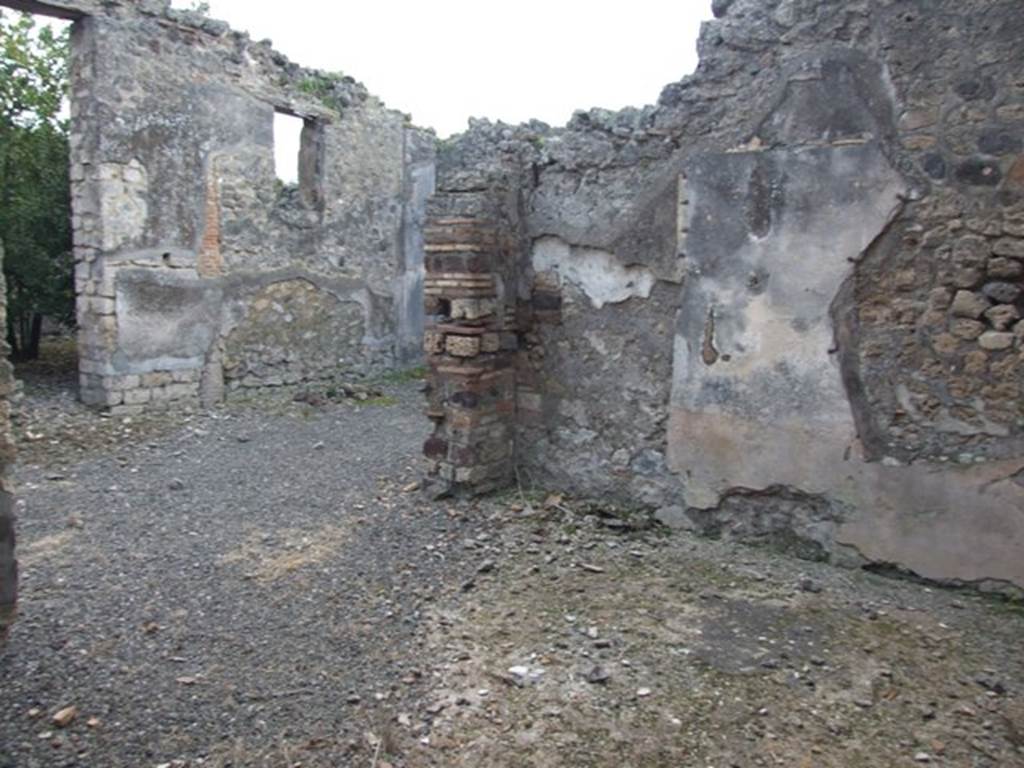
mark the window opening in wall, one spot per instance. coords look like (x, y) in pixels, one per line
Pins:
(287, 145)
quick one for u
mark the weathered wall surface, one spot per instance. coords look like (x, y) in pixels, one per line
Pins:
(784, 303)
(195, 264)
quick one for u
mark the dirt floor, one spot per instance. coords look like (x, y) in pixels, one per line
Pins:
(266, 585)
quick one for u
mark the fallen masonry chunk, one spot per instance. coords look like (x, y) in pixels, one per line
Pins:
(63, 718)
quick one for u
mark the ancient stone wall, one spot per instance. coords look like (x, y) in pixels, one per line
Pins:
(196, 268)
(785, 301)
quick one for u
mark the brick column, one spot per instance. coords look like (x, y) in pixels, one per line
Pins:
(470, 345)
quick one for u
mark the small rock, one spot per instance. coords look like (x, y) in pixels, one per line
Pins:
(922, 757)
(486, 566)
(1002, 316)
(991, 685)
(675, 518)
(413, 486)
(720, 7)
(810, 585)
(598, 676)
(995, 340)
(969, 304)
(643, 693)
(1011, 247)
(963, 328)
(979, 171)
(523, 674)
(176, 485)
(1005, 268)
(967, 278)
(63, 718)
(1002, 293)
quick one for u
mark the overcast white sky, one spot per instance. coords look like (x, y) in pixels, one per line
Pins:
(446, 60)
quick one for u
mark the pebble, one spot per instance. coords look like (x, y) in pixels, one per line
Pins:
(63, 718)
(809, 585)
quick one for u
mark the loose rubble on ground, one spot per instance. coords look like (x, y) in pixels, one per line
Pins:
(268, 584)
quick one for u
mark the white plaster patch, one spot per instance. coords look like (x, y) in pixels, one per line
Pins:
(595, 341)
(123, 207)
(599, 274)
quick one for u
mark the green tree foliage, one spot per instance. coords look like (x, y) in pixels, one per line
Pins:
(35, 204)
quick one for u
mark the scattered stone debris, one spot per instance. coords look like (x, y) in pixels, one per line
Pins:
(64, 717)
(336, 392)
(602, 645)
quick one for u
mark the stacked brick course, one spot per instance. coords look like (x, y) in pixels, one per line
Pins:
(470, 346)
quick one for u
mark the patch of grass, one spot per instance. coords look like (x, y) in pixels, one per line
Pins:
(1006, 604)
(321, 86)
(382, 401)
(404, 376)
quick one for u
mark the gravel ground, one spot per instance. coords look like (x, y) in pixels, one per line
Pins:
(245, 585)
(265, 586)
(586, 643)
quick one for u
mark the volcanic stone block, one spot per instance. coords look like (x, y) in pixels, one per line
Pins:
(995, 340)
(969, 304)
(433, 342)
(1001, 292)
(1004, 268)
(1002, 316)
(964, 328)
(462, 346)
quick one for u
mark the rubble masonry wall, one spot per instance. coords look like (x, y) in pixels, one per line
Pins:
(196, 268)
(784, 303)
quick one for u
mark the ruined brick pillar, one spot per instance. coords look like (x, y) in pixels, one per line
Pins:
(470, 345)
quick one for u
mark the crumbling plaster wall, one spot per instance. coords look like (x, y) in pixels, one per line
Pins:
(784, 302)
(196, 268)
